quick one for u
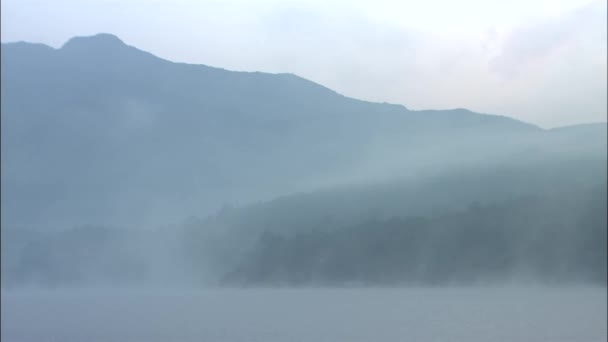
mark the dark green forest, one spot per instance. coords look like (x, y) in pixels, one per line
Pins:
(531, 238)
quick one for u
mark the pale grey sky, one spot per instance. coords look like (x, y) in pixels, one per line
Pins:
(542, 61)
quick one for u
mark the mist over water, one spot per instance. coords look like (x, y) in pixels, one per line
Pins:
(489, 314)
(146, 200)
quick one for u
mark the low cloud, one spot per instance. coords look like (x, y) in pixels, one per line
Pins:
(534, 44)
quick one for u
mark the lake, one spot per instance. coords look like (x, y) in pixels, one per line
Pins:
(317, 315)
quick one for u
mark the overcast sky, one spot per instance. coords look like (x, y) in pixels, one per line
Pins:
(542, 61)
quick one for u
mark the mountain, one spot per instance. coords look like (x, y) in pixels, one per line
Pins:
(100, 132)
(107, 148)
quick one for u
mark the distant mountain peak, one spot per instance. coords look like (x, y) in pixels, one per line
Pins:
(30, 47)
(98, 41)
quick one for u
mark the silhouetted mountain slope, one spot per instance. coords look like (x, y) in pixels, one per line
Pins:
(99, 132)
(316, 187)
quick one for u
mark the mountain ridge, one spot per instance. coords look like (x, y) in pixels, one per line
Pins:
(103, 41)
(106, 148)
(117, 138)
(112, 41)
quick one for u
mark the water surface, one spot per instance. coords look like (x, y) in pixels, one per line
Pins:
(303, 315)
